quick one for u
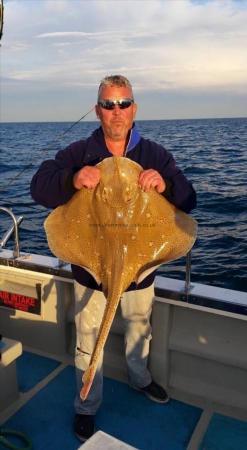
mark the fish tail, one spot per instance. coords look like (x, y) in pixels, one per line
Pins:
(87, 382)
(113, 292)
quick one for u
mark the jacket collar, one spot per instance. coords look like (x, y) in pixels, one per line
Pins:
(134, 138)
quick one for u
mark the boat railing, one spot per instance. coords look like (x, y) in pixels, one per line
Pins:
(187, 284)
(11, 230)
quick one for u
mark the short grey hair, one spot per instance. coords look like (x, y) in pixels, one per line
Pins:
(114, 80)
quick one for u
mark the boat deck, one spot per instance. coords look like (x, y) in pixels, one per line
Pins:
(44, 412)
(198, 350)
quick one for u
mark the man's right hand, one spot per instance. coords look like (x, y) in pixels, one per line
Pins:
(88, 177)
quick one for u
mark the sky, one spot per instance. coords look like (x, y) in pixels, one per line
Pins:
(184, 58)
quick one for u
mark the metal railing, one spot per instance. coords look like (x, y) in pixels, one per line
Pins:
(13, 229)
(187, 284)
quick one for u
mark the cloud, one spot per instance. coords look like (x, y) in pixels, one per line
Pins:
(161, 45)
(73, 34)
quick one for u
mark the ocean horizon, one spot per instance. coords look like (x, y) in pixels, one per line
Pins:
(137, 120)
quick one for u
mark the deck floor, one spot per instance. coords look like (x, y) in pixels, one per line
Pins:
(48, 388)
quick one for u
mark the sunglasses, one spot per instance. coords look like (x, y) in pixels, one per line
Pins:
(123, 103)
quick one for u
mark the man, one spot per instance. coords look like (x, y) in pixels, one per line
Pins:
(55, 183)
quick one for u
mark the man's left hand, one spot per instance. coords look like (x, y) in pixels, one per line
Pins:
(149, 179)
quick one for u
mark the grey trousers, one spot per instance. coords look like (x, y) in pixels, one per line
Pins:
(136, 308)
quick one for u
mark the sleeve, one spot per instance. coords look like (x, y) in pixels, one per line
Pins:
(52, 184)
(179, 190)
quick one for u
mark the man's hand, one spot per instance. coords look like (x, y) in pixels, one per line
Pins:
(149, 179)
(88, 177)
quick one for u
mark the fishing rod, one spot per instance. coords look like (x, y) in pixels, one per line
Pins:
(46, 149)
(28, 166)
(1, 19)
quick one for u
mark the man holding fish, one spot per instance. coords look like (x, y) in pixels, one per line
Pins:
(55, 183)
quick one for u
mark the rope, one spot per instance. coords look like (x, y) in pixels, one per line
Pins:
(8, 444)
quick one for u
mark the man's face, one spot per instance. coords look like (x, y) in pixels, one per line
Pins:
(117, 122)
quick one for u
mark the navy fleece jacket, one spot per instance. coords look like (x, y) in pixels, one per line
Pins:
(52, 185)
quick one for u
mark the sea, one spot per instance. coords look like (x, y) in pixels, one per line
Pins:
(212, 154)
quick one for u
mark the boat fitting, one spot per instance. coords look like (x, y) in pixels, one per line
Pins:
(14, 228)
(187, 275)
